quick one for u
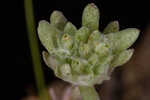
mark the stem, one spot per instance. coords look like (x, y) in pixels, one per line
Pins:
(42, 91)
(88, 93)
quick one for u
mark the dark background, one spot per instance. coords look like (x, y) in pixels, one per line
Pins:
(129, 13)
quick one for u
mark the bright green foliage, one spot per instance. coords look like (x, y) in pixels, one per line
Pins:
(85, 56)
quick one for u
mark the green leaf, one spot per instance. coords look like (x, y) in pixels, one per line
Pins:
(122, 58)
(101, 71)
(46, 58)
(103, 65)
(58, 20)
(90, 17)
(70, 29)
(95, 36)
(85, 50)
(67, 41)
(123, 39)
(93, 59)
(78, 65)
(50, 61)
(102, 49)
(47, 34)
(82, 34)
(111, 27)
(65, 70)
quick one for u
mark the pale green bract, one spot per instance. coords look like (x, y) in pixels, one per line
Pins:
(85, 56)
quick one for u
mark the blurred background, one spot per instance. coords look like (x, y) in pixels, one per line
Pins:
(129, 82)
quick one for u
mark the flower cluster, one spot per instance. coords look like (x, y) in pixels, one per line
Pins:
(85, 56)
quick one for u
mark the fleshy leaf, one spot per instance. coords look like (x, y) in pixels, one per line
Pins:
(47, 34)
(95, 36)
(65, 70)
(82, 34)
(102, 69)
(58, 20)
(78, 65)
(103, 64)
(70, 29)
(123, 39)
(111, 27)
(103, 74)
(46, 58)
(102, 49)
(85, 50)
(50, 61)
(90, 17)
(122, 58)
(93, 59)
(67, 41)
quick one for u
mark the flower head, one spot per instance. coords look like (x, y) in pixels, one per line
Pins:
(85, 56)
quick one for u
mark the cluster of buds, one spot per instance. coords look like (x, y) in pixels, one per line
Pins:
(85, 56)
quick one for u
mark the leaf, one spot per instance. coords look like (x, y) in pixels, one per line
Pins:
(111, 27)
(78, 65)
(93, 59)
(82, 34)
(103, 65)
(122, 58)
(90, 17)
(49, 61)
(66, 71)
(85, 50)
(102, 49)
(58, 20)
(47, 34)
(123, 39)
(95, 36)
(70, 29)
(67, 41)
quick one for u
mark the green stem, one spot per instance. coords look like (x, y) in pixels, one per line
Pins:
(88, 93)
(43, 92)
